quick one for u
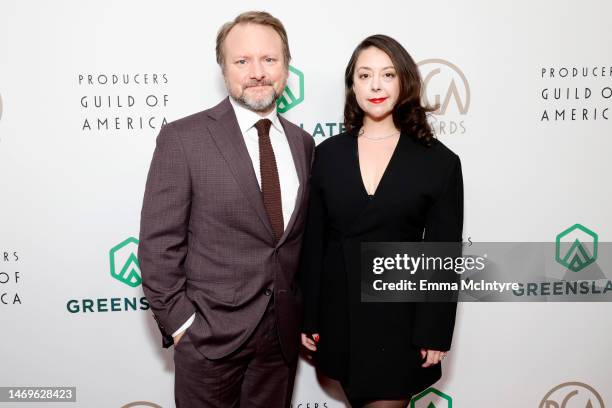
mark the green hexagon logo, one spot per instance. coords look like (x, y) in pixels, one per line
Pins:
(293, 94)
(431, 398)
(576, 247)
(124, 264)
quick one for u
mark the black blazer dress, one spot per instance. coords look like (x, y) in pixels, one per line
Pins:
(373, 348)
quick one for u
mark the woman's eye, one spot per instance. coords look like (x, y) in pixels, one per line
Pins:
(363, 76)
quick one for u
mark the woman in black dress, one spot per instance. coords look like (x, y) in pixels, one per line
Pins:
(384, 180)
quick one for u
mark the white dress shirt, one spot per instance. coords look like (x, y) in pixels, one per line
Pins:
(287, 173)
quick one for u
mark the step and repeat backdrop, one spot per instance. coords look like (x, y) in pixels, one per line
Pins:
(525, 99)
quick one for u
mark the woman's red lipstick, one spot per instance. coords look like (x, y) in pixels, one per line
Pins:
(377, 100)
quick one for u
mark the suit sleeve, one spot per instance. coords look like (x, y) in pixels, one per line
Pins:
(163, 233)
(434, 320)
(313, 246)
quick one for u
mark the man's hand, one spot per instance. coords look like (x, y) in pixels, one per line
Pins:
(177, 338)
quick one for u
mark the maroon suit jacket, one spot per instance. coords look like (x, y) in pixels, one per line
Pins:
(206, 244)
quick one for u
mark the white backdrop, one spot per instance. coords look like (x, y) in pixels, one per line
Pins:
(71, 185)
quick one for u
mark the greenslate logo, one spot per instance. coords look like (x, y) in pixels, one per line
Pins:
(124, 264)
(431, 398)
(577, 256)
(293, 94)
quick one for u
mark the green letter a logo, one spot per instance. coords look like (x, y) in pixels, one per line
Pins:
(124, 264)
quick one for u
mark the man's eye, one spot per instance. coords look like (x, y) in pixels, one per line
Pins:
(269, 59)
(241, 62)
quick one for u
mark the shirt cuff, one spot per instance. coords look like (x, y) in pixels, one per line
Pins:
(184, 326)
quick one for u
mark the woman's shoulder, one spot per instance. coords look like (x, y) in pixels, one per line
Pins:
(437, 151)
(335, 144)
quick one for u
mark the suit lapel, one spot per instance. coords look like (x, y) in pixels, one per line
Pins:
(230, 142)
(296, 145)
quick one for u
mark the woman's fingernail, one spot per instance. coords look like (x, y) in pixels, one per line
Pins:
(316, 338)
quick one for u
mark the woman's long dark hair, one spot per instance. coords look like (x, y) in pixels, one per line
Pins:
(409, 114)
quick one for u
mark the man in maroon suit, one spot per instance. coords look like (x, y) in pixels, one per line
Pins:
(221, 230)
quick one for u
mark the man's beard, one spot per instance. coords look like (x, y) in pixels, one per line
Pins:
(260, 105)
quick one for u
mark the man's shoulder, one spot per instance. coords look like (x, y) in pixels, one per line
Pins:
(295, 129)
(189, 122)
(198, 120)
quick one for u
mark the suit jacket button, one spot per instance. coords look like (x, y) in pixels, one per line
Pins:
(268, 292)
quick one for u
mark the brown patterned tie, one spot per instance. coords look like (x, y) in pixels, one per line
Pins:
(270, 186)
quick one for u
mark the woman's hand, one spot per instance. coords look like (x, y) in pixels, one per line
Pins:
(309, 343)
(431, 357)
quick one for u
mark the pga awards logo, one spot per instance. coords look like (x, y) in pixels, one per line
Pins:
(446, 88)
(572, 394)
(141, 404)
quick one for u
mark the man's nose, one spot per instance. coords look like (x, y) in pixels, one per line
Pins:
(257, 71)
